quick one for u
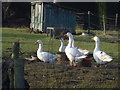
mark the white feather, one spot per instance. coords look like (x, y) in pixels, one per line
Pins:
(73, 53)
(45, 56)
(84, 51)
(100, 56)
(62, 47)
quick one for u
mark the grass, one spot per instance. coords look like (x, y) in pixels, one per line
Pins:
(10, 35)
(44, 75)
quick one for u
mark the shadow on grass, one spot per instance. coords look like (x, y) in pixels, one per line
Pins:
(102, 39)
(28, 36)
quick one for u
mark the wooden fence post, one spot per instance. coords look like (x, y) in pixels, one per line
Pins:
(88, 22)
(11, 75)
(15, 50)
(15, 54)
(116, 21)
(104, 27)
(18, 72)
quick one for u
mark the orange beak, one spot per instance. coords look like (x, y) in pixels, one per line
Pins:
(65, 34)
(92, 38)
(36, 41)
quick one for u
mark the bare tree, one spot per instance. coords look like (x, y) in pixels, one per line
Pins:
(6, 11)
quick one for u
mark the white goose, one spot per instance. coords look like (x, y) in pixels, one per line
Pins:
(62, 47)
(73, 54)
(45, 56)
(84, 51)
(100, 56)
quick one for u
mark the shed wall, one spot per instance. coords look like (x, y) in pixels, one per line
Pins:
(47, 15)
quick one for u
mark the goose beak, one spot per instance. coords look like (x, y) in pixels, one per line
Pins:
(36, 41)
(65, 34)
(92, 38)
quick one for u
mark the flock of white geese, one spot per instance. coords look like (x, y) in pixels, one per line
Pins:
(74, 54)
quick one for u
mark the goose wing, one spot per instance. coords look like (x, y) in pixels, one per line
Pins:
(80, 58)
(74, 52)
(45, 56)
(84, 51)
(103, 56)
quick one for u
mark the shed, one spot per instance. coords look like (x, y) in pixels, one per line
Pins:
(47, 14)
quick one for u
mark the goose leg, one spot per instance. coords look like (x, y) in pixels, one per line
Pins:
(70, 63)
(74, 64)
(105, 66)
(100, 66)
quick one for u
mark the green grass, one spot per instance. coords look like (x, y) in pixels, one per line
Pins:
(44, 75)
(26, 39)
(10, 35)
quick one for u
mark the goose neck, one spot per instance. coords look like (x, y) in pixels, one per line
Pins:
(70, 42)
(62, 44)
(97, 45)
(40, 47)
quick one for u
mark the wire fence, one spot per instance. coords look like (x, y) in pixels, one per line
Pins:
(93, 21)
